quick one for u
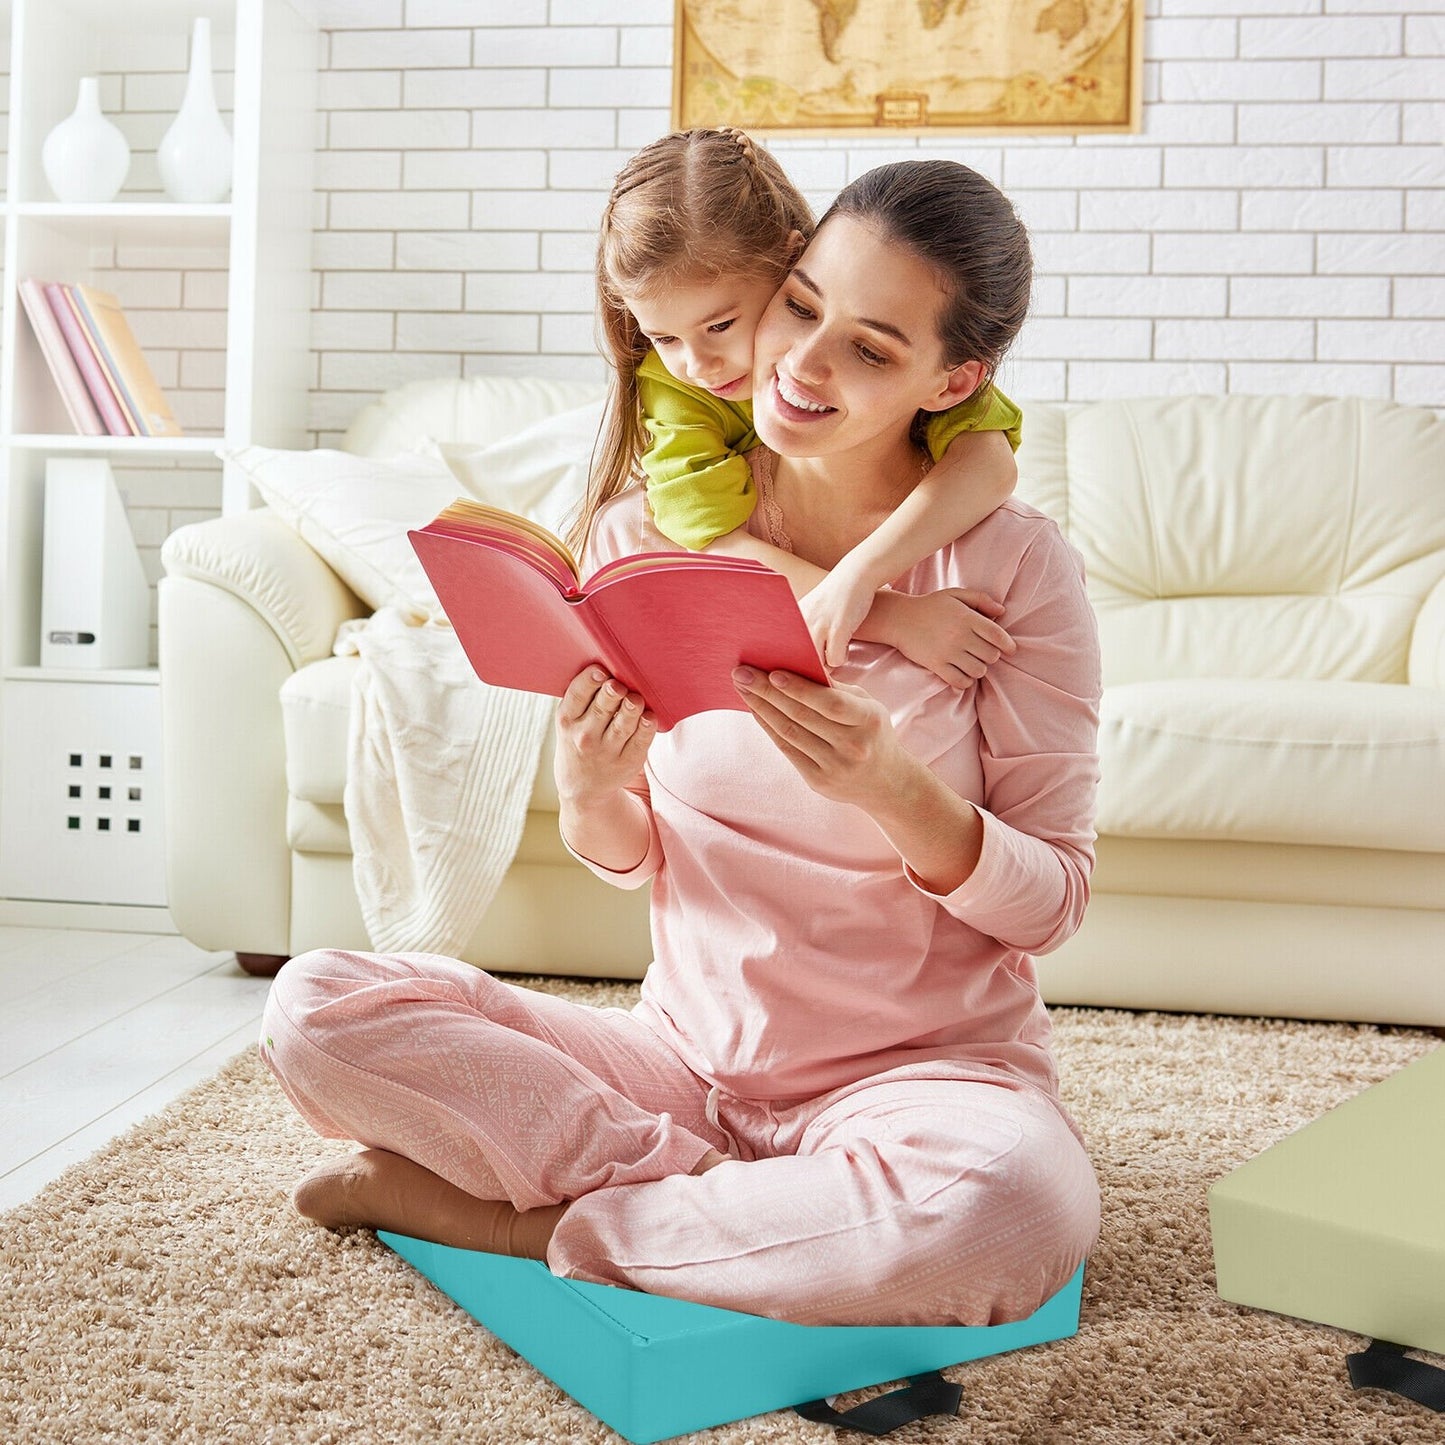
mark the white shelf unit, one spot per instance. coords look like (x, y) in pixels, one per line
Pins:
(230, 342)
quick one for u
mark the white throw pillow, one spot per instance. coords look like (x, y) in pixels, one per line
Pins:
(355, 511)
(539, 472)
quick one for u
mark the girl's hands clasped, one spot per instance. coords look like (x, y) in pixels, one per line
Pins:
(952, 633)
(603, 734)
(839, 738)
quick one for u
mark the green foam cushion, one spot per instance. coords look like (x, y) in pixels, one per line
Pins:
(653, 1367)
(1343, 1222)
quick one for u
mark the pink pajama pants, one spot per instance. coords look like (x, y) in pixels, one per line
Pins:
(918, 1196)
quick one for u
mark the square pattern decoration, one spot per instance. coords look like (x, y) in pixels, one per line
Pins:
(82, 791)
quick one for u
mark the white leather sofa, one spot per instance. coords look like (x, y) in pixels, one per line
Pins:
(1269, 575)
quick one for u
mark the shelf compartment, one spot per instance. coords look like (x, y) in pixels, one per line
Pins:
(174, 478)
(118, 448)
(83, 787)
(136, 222)
(173, 280)
(61, 41)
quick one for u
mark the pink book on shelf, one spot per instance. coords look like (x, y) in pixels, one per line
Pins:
(68, 380)
(85, 359)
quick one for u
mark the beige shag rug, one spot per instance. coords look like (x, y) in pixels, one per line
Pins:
(164, 1292)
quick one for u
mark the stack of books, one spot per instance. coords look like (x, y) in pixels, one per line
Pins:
(103, 376)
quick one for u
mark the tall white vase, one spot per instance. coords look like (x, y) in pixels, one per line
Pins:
(85, 158)
(194, 156)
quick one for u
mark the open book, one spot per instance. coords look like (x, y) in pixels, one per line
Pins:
(671, 625)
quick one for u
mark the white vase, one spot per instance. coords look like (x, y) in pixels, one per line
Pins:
(194, 156)
(85, 158)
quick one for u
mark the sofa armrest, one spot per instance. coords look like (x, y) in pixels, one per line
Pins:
(1426, 667)
(244, 604)
(263, 562)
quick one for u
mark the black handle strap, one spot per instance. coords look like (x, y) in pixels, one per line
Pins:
(928, 1394)
(1387, 1367)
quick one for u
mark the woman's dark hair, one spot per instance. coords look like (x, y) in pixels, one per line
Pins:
(963, 226)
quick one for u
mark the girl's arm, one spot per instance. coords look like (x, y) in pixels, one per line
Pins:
(950, 632)
(975, 475)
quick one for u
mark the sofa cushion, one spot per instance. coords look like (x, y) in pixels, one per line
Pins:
(475, 409)
(355, 511)
(1246, 536)
(1339, 764)
(317, 827)
(316, 718)
(539, 472)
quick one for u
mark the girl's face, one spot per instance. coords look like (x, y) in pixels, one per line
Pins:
(848, 351)
(704, 330)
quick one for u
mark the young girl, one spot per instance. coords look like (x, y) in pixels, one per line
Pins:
(699, 232)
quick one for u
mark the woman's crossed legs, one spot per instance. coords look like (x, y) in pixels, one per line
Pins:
(503, 1119)
(482, 1107)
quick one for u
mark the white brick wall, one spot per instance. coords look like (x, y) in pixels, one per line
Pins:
(1278, 225)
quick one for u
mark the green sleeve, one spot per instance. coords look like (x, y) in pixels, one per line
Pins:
(699, 485)
(986, 410)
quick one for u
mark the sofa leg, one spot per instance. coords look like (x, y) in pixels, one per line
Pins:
(261, 965)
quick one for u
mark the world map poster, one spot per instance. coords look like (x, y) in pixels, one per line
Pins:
(865, 67)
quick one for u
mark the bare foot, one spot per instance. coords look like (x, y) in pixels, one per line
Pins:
(379, 1190)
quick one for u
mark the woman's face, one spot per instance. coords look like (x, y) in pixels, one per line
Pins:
(848, 350)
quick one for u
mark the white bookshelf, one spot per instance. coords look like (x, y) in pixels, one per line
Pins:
(231, 345)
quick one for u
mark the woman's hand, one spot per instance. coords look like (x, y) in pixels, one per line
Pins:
(839, 738)
(842, 741)
(603, 734)
(951, 632)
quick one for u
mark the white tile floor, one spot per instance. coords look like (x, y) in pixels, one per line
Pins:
(100, 1030)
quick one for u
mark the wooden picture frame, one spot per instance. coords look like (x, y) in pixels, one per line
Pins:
(908, 67)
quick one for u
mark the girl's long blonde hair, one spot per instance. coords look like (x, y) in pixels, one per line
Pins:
(693, 206)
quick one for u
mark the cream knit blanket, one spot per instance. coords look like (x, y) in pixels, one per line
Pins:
(440, 770)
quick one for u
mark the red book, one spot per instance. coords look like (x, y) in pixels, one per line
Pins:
(671, 625)
(87, 360)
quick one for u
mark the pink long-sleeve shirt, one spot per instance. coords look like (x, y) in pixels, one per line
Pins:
(794, 953)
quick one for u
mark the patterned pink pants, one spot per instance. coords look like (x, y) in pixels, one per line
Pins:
(918, 1196)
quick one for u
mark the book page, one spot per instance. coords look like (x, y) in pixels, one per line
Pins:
(466, 517)
(673, 561)
(511, 617)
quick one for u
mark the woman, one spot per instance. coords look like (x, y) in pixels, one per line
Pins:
(835, 1103)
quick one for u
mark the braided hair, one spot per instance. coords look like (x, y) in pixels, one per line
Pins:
(691, 207)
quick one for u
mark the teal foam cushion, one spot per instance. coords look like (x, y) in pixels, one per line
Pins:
(653, 1367)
